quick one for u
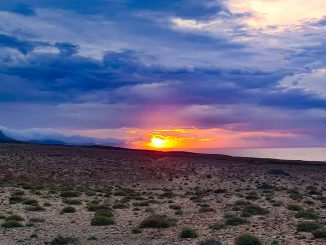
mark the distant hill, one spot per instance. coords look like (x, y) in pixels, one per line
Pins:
(6, 139)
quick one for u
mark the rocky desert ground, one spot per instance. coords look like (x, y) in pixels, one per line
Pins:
(97, 195)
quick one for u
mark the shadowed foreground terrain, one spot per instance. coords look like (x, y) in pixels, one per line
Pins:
(93, 195)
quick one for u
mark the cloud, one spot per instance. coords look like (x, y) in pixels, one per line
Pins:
(140, 64)
(312, 82)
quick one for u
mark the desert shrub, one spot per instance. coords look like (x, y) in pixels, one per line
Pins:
(35, 208)
(92, 238)
(295, 207)
(36, 220)
(14, 217)
(218, 191)
(167, 194)
(141, 204)
(104, 212)
(95, 207)
(206, 209)
(242, 203)
(175, 206)
(68, 209)
(276, 203)
(149, 210)
(72, 201)
(307, 226)
(12, 224)
(31, 202)
(136, 231)
(247, 239)
(252, 196)
(178, 212)
(217, 226)
(188, 233)
(102, 221)
(119, 205)
(33, 235)
(309, 202)
(320, 233)
(70, 194)
(295, 195)
(228, 215)
(254, 210)
(16, 199)
(275, 242)
(18, 193)
(210, 242)
(234, 221)
(308, 214)
(60, 240)
(157, 221)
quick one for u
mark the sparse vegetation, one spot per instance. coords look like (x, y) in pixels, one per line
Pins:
(157, 221)
(188, 233)
(60, 240)
(102, 221)
(307, 226)
(320, 233)
(247, 239)
(308, 214)
(12, 224)
(68, 209)
(234, 221)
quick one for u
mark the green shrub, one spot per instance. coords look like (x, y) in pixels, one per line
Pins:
(102, 221)
(247, 239)
(295, 195)
(217, 226)
(18, 193)
(175, 206)
(234, 221)
(157, 221)
(72, 201)
(95, 207)
(206, 210)
(294, 207)
(320, 233)
(104, 212)
(16, 199)
(35, 208)
(70, 194)
(60, 240)
(14, 217)
(306, 215)
(120, 205)
(68, 209)
(254, 210)
(92, 238)
(31, 202)
(11, 224)
(210, 242)
(307, 226)
(188, 233)
(136, 231)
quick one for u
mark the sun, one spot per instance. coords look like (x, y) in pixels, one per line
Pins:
(158, 142)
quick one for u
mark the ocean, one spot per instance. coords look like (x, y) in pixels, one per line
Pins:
(298, 153)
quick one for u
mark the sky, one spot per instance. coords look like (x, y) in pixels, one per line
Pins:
(172, 74)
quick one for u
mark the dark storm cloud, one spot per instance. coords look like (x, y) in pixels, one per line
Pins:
(65, 77)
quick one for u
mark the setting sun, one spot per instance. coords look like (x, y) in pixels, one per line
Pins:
(158, 142)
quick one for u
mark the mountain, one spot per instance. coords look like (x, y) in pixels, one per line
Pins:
(6, 139)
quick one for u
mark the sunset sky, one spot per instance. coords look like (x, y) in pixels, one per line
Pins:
(164, 74)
